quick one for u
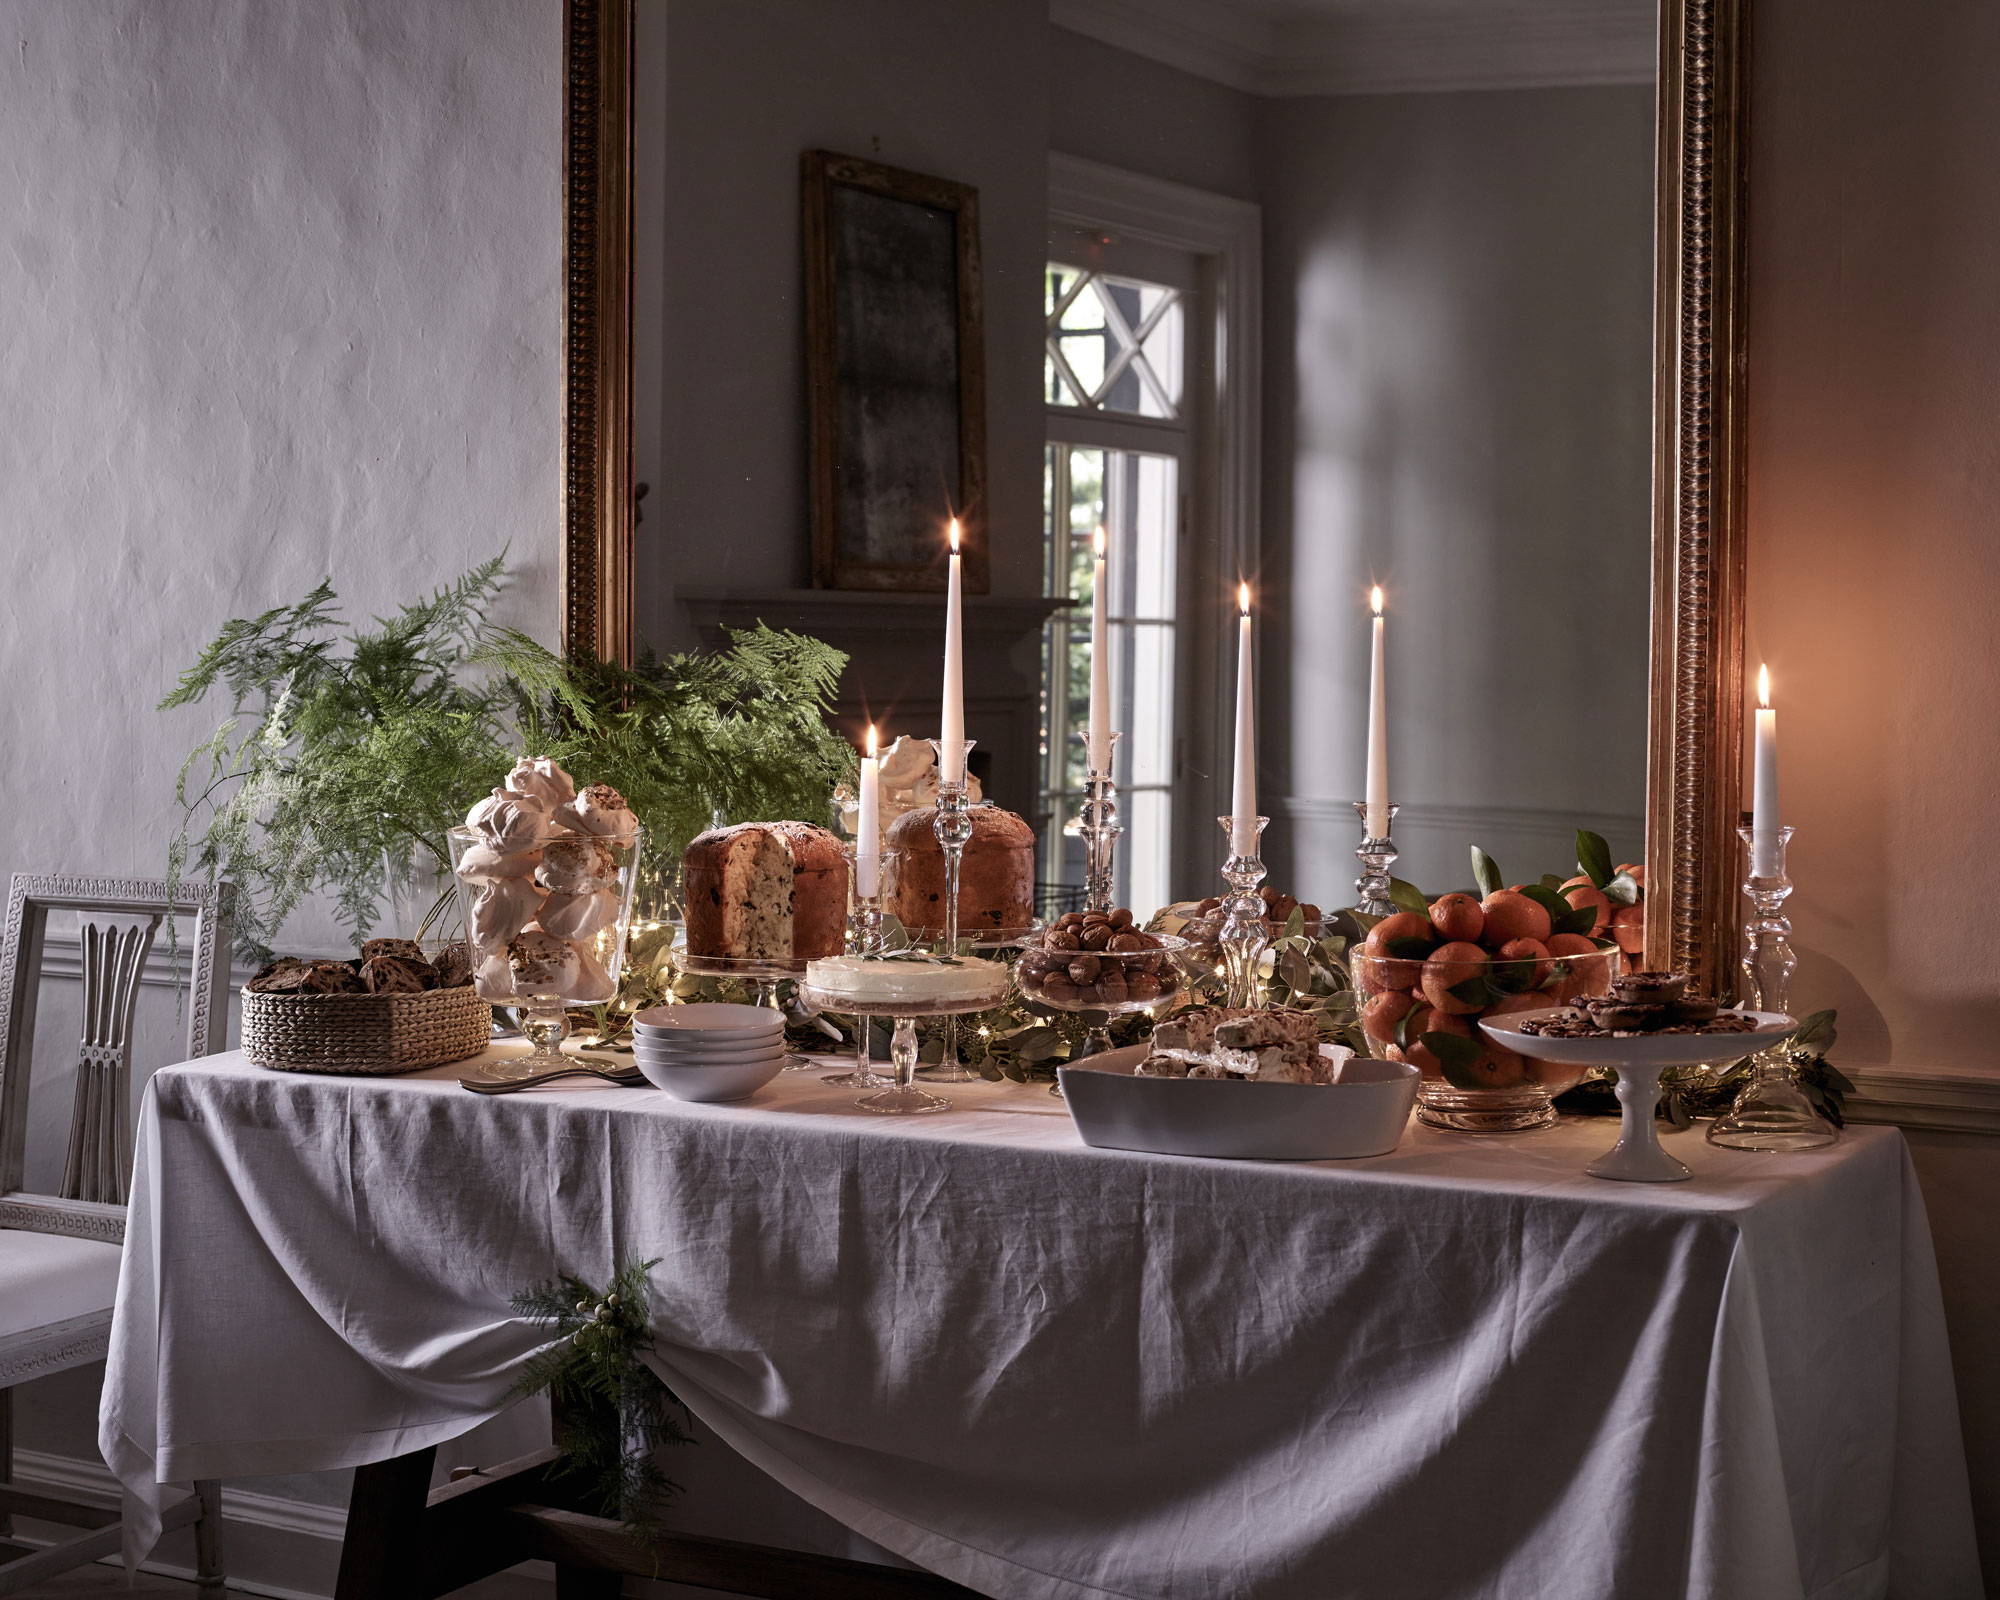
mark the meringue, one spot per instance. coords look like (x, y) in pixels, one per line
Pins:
(539, 779)
(493, 979)
(510, 822)
(482, 863)
(502, 909)
(592, 984)
(577, 916)
(542, 963)
(599, 810)
(577, 866)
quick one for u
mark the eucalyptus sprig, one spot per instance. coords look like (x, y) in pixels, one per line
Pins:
(612, 1412)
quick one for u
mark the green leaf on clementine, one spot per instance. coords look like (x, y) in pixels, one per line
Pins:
(1409, 897)
(1622, 890)
(1593, 857)
(1410, 948)
(1578, 920)
(1486, 873)
(1474, 991)
(1456, 1057)
(1551, 902)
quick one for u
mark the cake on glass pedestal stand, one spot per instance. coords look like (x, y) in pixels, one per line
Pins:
(905, 987)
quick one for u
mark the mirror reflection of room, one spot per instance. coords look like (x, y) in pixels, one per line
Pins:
(1340, 297)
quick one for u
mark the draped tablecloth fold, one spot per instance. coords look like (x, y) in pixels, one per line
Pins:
(1058, 1373)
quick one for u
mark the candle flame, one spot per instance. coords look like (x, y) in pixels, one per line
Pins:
(871, 741)
(954, 536)
(1764, 687)
(1243, 597)
(1097, 541)
(1375, 599)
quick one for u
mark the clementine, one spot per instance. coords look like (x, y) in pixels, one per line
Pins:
(1511, 916)
(1380, 1016)
(1457, 916)
(1418, 1054)
(1524, 950)
(1580, 891)
(1376, 969)
(1450, 965)
(1628, 927)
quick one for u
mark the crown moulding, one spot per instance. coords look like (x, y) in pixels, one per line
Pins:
(1349, 47)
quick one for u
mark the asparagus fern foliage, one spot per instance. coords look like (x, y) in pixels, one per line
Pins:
(346, 753)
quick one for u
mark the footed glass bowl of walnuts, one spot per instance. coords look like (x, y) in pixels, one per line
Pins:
(1098, 961)
(1424, 982)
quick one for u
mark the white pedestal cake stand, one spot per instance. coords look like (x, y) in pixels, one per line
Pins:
(1638, 1059)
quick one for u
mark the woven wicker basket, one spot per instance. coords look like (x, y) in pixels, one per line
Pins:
(371, 1034)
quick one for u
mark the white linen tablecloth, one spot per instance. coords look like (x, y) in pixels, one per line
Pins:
(1464, 1369)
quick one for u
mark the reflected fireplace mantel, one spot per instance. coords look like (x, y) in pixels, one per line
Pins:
(895, 648)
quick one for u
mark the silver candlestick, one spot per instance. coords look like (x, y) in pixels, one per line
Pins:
(1376, 857)
(1771, 1113)
(952, 827)
(1245, 934)
(1100, 828)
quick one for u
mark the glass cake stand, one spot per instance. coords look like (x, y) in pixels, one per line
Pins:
(992, 944)
(902, 1096)
(766, 974)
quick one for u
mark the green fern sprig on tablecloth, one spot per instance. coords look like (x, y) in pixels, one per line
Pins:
(612, 1412)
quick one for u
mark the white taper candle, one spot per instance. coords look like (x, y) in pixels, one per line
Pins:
(1099, 741)
(1243, 794)
(1377, 818)
(1765, 823)
(952, 724)
(868, 831)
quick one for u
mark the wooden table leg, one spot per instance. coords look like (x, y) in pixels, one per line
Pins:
(381, 1557)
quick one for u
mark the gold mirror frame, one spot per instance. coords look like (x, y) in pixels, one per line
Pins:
(1695, 718)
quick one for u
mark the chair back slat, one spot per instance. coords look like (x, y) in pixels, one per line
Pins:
(113, 948)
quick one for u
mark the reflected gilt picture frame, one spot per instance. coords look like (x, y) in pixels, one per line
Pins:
(895, 374)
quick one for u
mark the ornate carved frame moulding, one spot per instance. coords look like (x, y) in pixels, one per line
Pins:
(1694, 767)
(1694, 772)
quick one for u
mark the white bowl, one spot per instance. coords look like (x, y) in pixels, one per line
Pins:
(774, 1050)
(708, 1017)
(725, 1081)
(1364, 1114)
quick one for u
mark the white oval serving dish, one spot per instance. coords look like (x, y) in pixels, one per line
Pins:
(1364, 1114)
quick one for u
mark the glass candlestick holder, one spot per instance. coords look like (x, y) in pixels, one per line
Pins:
(1245, 934)
(1771, 1113)
(1100, 828)
(1376, 856)
(952, 827)
(864, 937)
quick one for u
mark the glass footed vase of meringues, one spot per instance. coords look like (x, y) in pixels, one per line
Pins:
(546, 927)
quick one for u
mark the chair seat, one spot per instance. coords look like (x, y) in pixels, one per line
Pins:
(46, 1278)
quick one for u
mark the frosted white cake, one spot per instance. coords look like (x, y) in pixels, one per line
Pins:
(909, 981)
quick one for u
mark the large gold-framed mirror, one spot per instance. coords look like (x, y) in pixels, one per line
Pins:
(1694, 669)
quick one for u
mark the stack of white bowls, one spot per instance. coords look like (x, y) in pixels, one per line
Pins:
(709, 1051)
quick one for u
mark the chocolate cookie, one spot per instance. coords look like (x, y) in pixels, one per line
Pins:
(405, 949)
(394, 975)
(1650, 988)
(267, 979)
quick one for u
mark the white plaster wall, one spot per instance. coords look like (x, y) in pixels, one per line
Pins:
(1875, 571)
(278, 301)
(1458, 316)
(279, 288)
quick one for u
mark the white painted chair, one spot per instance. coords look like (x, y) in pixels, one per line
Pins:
(59, 1254)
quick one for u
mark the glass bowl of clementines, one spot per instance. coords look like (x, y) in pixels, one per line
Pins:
(1423, 982)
